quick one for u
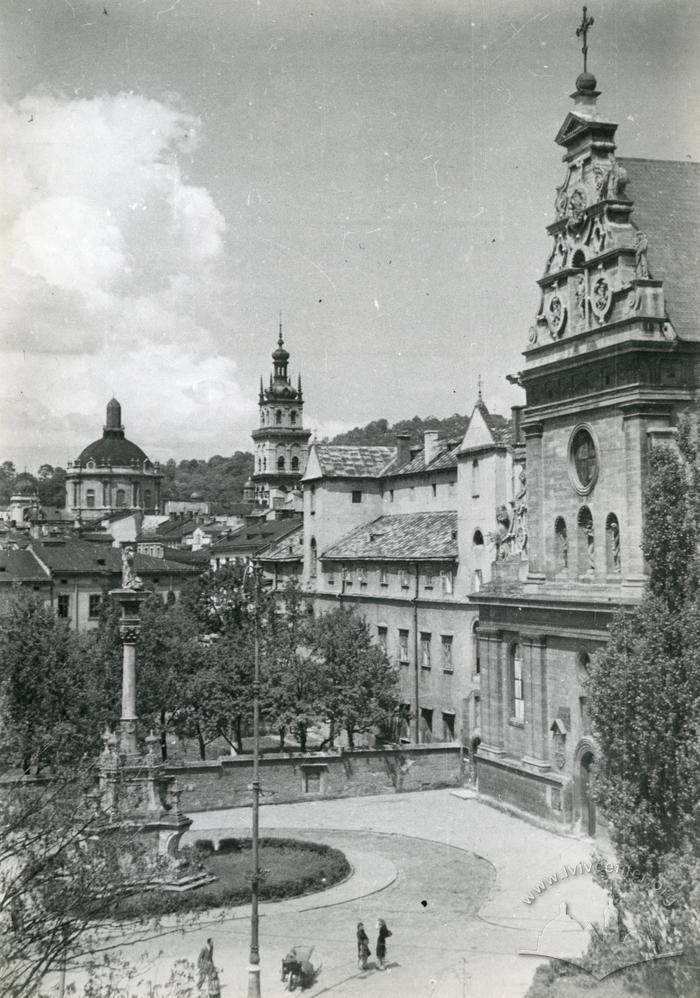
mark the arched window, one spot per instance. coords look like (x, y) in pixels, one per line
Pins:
(147, 499)
(293, 417)
(612, 544)
(295, 464)
(314, 558)
(105, 493)
(516, 675)
(478, 539)
(561, 546)
(579, 259)
(280, 463)
(475, 479)
(90, 498)
(586, 542)
(278, 417)
(121, 498)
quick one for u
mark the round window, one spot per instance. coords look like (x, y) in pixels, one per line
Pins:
(584, 460)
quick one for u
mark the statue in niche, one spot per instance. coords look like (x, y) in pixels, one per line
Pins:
(520, 516)
(615, 544)
(590, 545)
(641, 265)
(130, 579)
(580, 295)
(503, 537)
(578, 202)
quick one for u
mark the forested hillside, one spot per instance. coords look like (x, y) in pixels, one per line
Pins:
(379, 432)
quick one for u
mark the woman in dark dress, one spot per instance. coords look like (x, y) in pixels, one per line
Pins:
(363, 950)
(382, 937)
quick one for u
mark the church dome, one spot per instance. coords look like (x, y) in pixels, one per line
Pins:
(116, 450)
(113, 447)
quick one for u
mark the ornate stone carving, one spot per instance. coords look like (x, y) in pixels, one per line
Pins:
(532, 334)
(632, 302)
(617, 181)
(598, 237)
(561, 204)
(576, 209)
(556, 316)
(641, 265)
(129, 633)
(601, 298)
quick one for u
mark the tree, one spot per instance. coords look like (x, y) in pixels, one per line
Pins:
(293, 680)
(61, 875)
(644, 689)
(644, 699)
(359, 684)
(46, 685)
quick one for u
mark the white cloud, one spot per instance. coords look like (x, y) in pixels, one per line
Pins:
(111, 264)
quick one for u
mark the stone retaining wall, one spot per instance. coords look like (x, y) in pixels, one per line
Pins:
(347, 773)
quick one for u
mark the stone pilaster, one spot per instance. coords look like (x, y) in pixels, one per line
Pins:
(534, 653)
(535, 502)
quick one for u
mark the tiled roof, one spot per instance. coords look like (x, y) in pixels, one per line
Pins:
(84, 557)
(255, 537)
(445, 458)
(344, 461)
(21, 566)
(500, 426)
(403, 537)
(666, 197)
(287, 548)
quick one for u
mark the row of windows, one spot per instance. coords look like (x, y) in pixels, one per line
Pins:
(425, 647)
(586, 555)
(278, 418)
(281, 463)
(119, 497)
(431, 577)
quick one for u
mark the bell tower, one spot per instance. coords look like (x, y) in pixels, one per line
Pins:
(280, 441)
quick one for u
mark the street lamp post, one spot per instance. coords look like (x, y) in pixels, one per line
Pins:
(254, 960)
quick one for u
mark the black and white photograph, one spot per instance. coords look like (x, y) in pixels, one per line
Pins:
(350, 498)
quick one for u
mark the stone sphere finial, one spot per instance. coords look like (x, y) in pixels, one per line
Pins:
(586, 83)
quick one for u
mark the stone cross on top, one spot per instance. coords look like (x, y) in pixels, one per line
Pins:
(586, 23)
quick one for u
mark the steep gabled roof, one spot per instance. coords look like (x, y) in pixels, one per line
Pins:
(402, 537)
(486, 430)
(666, 195)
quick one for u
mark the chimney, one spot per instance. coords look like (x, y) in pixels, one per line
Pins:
(403, 448)
(517, 415)
(430, 445)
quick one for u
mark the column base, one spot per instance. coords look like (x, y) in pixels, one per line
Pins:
(253, 981)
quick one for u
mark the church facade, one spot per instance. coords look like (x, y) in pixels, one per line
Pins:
(612, 361)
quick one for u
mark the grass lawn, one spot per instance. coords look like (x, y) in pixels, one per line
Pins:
(289, 868)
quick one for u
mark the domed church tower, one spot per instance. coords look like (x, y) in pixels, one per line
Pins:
(112, 474)
(281, 442)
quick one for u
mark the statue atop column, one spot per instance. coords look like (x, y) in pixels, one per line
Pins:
(130, 579)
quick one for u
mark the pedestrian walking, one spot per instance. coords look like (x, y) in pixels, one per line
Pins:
(383, 935)
(363, 950)
(208, 982)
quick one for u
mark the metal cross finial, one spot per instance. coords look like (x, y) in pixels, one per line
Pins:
(280, 340)
(586, 23)
(480, 387)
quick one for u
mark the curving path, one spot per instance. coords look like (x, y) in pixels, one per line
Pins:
(447, 874)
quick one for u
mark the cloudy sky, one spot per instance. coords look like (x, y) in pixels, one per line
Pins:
(176, 172)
